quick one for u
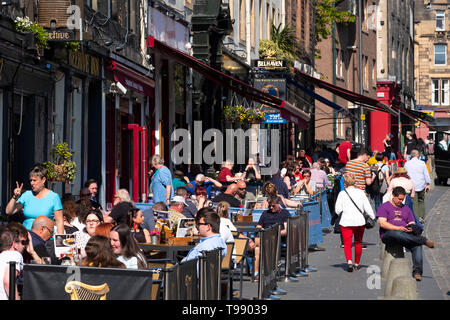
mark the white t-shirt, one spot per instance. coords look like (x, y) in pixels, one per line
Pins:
(5, 258)
(225, 233)
(350, 215)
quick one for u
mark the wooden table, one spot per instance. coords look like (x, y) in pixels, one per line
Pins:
(170, 250)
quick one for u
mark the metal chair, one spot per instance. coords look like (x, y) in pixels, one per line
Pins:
(240, 257)
(226, 269)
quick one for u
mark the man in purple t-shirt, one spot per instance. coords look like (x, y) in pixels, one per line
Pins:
(396, 227)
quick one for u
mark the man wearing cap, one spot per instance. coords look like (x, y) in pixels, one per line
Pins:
(176, 207)
(203, 181)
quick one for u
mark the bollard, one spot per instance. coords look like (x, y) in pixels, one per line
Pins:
(382, 250)
(398, 268)
(405, 287)
(12, 280)
(391, 252)
(304, 228)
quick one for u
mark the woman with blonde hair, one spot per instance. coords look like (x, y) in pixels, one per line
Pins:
(350, 204)
(269, 190)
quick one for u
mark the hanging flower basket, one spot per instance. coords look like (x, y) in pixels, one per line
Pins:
(62, 169)
(241, 114)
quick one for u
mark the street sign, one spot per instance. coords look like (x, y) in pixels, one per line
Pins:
(274, 118)
(363, 117)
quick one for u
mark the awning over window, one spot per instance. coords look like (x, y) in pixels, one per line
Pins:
(367, 102)
(131, 79)
(243, 89)
(321, 98)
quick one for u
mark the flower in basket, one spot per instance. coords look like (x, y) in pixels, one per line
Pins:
(62, 168)
(242, 114)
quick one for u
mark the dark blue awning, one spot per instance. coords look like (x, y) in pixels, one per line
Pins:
(320, 98)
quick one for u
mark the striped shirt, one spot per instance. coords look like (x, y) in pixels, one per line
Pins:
(361, 170)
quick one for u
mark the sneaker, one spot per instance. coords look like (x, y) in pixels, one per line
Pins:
(417, 276)
(364, 246)
(429, 244)
(342, 246)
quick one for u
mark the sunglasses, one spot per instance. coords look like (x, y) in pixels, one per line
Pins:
(201, 224)
(242, 188)
(25, 242)
(85, 194)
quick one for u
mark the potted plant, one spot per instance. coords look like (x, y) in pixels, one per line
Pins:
(40, 34)
(154, 236)
(242, 114)
(62, 168)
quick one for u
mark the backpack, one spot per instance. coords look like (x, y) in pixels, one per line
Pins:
(379, 184)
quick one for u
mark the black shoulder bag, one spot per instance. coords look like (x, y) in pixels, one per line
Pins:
(370, 223)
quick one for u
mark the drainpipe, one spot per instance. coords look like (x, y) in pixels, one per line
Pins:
(248, 21)
(361, 111)
(333, 37)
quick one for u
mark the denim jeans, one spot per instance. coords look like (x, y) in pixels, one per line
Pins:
(377, 201)
(409, 203)
(412, 242)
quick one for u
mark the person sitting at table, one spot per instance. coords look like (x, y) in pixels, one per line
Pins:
(229, 196)
(269, 190)
(135, 221)
(190, 209)
(203, 181)
(176, 208)
(242, 194)
(126, 248)
(99, 254)
(92, 220)
(149, 217)
(306, 187)
(201, 198)
(226, 226)
(208, 225)
(274, 215)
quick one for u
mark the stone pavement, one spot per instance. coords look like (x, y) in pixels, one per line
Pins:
(332, 282)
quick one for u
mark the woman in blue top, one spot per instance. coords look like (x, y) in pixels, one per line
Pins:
(40, 201)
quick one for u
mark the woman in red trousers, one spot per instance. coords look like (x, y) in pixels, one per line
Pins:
(350, 204)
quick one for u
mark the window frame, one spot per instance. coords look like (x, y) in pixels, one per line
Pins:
(440, 16)
(445, 54)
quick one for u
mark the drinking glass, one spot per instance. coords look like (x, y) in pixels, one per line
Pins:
(109, 206)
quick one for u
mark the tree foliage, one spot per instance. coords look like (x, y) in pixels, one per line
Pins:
(326, 15)
(283, 44)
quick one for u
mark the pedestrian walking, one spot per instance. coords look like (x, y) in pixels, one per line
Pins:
(388, 151)
(418, 172)
(410, 144)
(344, 152)
(350, 205)
(379, 185)
(361, 169)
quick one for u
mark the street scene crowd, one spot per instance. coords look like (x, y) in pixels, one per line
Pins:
(389, 188)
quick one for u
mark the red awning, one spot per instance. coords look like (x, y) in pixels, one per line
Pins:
(348, 95)
(243, 89)
(131, 79)
(291, 114)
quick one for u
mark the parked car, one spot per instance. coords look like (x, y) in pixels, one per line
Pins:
(442, 159)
